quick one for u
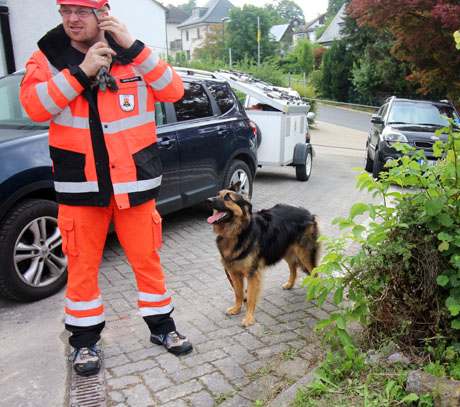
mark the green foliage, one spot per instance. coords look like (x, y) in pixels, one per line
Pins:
(345, 380)
(268, 71)
(242, 30)
(334, 7)
(300, 59)
(336, 72)
(188, 6)
(289, 10)
(404, 281)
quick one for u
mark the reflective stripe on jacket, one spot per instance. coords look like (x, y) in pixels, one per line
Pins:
(128, 122)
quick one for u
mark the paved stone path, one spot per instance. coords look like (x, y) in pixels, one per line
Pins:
(231, 365)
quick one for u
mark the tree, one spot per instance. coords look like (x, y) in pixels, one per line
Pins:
(376, 74)
(300, 59)
(422, 31)
(214, 44)
(242, 32)
(334, 7)
(289, 10)
(336, 72)
(188, 7)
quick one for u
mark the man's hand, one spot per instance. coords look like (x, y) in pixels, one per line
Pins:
(98, 55)
(118, 30)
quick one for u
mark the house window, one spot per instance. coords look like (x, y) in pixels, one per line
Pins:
(198, 33)
(187, 35)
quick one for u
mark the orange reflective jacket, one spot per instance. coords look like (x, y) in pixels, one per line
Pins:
(128, 122)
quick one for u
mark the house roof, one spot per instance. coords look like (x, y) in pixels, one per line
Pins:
(333, 31)
(176, 15)
(213, 12)
(278, 31)
(159, 4)
(310, 23)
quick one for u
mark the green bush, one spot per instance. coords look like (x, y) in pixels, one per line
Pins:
(404, 281)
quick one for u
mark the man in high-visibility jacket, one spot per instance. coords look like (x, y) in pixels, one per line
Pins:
(106, 163)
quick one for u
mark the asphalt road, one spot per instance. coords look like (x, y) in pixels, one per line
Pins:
(344, 117)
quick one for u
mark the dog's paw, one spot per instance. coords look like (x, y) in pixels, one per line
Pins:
(233, 310)
(287, 286)
(248, 321)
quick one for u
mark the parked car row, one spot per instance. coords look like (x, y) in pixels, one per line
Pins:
(206, 141)
(405, 121)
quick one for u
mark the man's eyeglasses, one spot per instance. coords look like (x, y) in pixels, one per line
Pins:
(80, 13)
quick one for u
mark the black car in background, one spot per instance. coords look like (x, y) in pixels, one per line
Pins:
(206, 141)
(405, 121)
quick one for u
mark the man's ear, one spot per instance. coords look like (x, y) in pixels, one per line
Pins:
(235, 187)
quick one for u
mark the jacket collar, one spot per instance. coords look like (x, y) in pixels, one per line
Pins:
(55, 42)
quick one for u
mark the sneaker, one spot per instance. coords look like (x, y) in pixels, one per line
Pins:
(86, 361)
(174, 342)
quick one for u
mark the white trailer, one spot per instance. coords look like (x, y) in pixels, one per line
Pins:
(281, 116)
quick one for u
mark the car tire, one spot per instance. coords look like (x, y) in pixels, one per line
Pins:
(239, 171)
(369, 163)
(377, 166)
(33, 266)
(303, 171)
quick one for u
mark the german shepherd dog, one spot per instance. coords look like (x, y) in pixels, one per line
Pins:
(249, 242)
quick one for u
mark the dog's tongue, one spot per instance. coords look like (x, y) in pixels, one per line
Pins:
(215, 217)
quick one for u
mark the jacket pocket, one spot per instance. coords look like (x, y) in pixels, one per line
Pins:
(69, 241)
(157, 229)
(148, 163)
(69, 166)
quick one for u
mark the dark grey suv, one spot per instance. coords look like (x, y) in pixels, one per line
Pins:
(405, 121)
(206, 142)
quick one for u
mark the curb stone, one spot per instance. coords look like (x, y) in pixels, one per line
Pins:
(285, 398)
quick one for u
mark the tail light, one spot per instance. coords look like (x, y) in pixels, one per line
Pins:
(253, 127)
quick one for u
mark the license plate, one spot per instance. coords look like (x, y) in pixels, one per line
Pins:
(430, 163)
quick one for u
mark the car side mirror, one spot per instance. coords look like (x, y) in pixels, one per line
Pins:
(376, 119)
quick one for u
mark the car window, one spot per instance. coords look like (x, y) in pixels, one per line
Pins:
(194, 105)
(223, 95)
(421, 113)
(160, 114)
(12, 115)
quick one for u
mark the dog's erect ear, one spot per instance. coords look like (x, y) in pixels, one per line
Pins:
(235, 187)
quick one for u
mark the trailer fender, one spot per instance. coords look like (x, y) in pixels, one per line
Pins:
(300, 153)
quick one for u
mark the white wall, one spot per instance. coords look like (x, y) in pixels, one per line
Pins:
(29, 21)
(145, 19)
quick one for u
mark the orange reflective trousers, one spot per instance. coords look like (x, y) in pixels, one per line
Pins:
(84, 230)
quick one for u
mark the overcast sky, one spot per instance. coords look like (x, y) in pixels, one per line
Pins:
(311, 8)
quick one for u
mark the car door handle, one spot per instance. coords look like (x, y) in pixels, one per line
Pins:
(166, 143)
(208, 130)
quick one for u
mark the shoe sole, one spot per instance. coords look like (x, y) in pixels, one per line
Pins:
(88, 373)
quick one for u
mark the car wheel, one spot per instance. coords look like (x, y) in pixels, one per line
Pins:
(303, 171)
(33, 264)
(369, 163)
(377, 166)
(239, 172)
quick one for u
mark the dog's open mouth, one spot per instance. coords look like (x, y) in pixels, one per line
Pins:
(217, 217)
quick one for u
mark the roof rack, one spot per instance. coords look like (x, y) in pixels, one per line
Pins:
(192, 72)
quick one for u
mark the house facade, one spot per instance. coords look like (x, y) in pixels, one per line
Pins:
(174, 17)
(308, 31)
(23, 24)
(203, 19)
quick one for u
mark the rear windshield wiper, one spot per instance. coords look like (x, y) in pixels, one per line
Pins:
(398, 123)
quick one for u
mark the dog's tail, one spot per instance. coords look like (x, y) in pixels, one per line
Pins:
(311, 245)
(315, 251)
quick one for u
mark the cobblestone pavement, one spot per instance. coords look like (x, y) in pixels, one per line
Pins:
(231, 365)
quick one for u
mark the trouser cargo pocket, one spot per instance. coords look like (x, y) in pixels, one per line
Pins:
(157, 229)
(69, 241)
